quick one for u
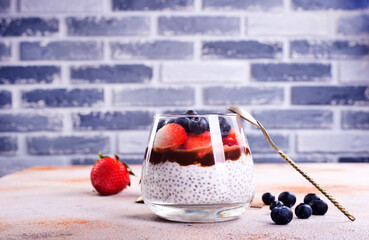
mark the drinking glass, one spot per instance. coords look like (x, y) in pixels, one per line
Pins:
(197, 168)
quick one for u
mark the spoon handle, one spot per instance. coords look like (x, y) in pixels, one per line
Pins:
(304, 174)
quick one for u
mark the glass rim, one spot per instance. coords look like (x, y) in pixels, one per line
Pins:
(194, 115)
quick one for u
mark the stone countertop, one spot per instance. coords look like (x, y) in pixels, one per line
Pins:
(60, 203)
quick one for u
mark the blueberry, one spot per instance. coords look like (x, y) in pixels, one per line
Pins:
(288, 198)
(310, 197)
(172, 120)
(225, 128)
(190, 112)
(197, 125)
(184, 122)
(319, 207)
(268, 198)
(160, 124)
(276, 204)
(303, 211)
(281, 215)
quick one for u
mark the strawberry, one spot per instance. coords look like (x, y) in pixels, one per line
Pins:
(109, 175)
(198, 140)
(232, 139)
(171, 136)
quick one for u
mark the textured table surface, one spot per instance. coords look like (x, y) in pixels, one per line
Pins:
(59, 203)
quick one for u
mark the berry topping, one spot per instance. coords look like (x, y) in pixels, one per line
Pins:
(197, 125)
(276, 204)
(232, 139)
(268, 198)
(184, 122)
(171, 136)
(190, 112)
(288, 198)
(310, 197)
(160, 124)
(198, 140)
(109, 175)
(319, 207)
(225, 128)
(303, 211)
(281, 215)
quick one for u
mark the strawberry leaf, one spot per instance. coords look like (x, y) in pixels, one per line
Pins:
(128, 169)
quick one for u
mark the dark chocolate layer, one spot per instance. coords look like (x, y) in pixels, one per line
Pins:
(203, 157)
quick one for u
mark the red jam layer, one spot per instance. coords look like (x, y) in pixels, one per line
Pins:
(202, 157)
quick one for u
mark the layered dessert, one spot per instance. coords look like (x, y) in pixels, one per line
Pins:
(198, 160)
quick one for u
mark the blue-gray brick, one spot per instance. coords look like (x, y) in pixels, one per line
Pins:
(295, 119)
(28, 74)
(183, 96)
(83, 161)
(145, 5)
(243, 95)
(5, 51)
(112, 120)
(32, 26)
(278, 72)
(27, 122)
(62, 97)
(330, 95)
(354, 25)
(5, 99)
(61, 145)
(65, 6)
(108, 26)
(321, 49)
(199, 25)
(241, 49)
(330, 4)
(311, 158)
(61, 50)
(8, 145)
(4, 6)
(152, 50)
(111, 74)
(355, 120)
(353, 159)
(243, 5)
(258, 143)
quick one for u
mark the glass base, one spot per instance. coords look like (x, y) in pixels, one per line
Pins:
(198, 213)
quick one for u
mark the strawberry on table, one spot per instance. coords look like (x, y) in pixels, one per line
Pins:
(110, 176)
(171, 136)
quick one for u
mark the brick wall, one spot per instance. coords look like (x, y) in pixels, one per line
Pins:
(79, 77)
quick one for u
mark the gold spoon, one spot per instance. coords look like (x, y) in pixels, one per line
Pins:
(247, 116)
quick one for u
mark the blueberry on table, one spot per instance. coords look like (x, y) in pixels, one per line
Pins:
(319, 207)
(310, 197)
(197, 125)
(288, 198)
(225, 128)
(184, 122)
(281, 215)
(303, 211)
(276, 204)
(268, 198)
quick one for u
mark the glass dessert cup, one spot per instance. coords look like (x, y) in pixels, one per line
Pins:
(197, 168)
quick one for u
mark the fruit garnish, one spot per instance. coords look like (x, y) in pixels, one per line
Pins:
(268, 198)
(109, 175)
(303, 211)
(171, 136)
(197, 125)
(225, 128)
(288, 198)
(233, 138)
(198, 140)
(281, 215)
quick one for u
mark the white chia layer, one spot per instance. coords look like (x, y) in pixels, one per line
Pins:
(228, 182)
